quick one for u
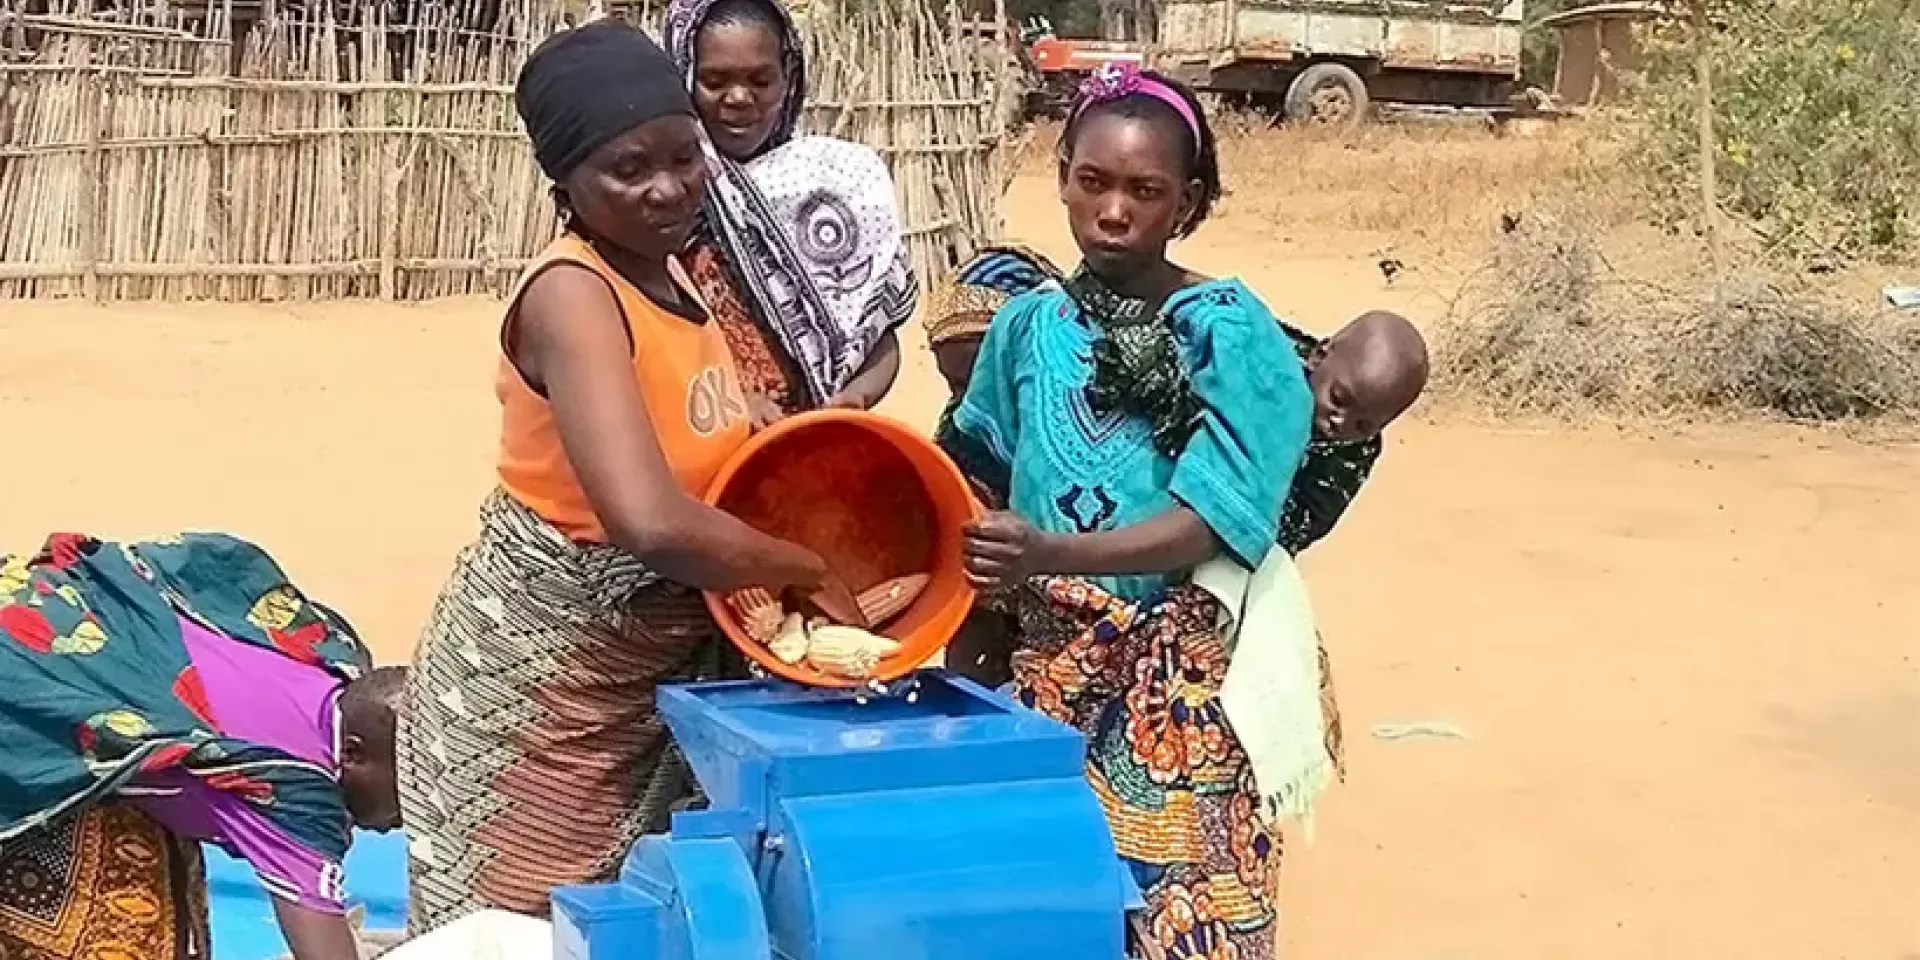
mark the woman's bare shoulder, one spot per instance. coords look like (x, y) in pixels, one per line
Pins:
(548, 316)
(563, 289)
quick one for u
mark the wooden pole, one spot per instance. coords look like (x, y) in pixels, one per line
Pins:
(1709, 149)
(92, 197)
(1599, 61)
(390, 222)
(1006, 39)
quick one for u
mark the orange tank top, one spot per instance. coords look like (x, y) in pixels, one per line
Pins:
(687, 381)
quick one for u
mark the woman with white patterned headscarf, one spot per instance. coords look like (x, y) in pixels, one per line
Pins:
(801, 257)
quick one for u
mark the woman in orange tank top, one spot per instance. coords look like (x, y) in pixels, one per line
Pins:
(530, 753)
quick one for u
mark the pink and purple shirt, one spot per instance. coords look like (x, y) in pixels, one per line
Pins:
(270, 699)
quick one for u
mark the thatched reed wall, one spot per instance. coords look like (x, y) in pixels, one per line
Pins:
(372, 155)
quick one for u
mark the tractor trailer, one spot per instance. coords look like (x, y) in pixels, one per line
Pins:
(1321, 60)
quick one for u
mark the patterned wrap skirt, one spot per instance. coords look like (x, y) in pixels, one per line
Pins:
(108, 884)
(1142, 682)
(530, 752)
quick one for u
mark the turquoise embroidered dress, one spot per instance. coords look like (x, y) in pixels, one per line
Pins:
(1135, 663)
(1028, 428)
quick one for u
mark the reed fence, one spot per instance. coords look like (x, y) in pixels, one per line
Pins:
(164, 153)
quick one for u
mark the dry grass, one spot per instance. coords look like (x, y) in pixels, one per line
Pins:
(1404, 182)
(1572, 306)
(1410, 183)
(1577, 307)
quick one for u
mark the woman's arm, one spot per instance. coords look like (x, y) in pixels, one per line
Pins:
(312, 935)
(570, 338)
(1169, 542)
(1002, 549)
(870, 385)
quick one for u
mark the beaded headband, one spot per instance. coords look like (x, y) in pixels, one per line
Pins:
(1116, 80)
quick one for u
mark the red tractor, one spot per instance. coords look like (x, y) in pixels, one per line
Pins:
(1059, 66)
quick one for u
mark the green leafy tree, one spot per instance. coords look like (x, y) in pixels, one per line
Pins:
(1540, 44)
(1814, 135)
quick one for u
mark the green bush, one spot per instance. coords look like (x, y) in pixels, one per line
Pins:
(1818, 135)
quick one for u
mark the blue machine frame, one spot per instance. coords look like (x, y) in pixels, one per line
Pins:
(949, 824)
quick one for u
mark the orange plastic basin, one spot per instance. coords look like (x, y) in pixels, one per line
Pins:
(876, 500)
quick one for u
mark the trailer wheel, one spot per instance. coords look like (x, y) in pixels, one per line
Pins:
(1327, 93)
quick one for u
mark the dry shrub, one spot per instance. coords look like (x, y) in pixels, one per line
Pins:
(1536, 330)
(1549, 326)
(1762, 347)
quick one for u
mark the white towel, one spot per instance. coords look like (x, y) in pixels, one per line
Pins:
(1271, 695)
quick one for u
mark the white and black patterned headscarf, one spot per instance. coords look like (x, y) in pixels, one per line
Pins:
(686, 17)
(809, 229)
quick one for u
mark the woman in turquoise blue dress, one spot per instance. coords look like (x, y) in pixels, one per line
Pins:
(1137, 421)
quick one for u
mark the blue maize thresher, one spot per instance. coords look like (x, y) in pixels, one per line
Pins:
(951, 824)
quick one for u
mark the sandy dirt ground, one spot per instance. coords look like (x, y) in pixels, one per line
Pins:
(1685, 660)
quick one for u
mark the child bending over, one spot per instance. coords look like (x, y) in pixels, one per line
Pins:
(169, 693)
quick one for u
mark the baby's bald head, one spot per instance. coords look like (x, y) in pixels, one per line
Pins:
(1365, 376)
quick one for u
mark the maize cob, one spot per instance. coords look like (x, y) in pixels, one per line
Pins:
(848, 652)
(790, 643)
(886, 601)
(758, 611)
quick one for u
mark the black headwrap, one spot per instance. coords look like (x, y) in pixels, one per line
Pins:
(586, 86)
